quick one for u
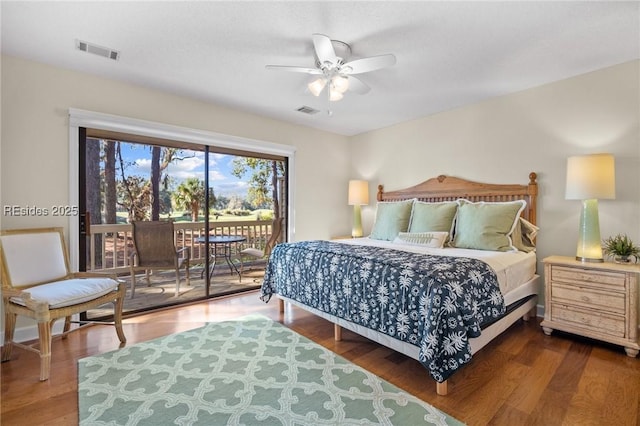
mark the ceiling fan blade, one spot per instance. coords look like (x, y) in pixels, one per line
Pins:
(356, 85)
(324, 49)
(368, 64)
(294, 69)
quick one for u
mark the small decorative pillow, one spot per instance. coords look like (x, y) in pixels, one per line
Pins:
(430, 217)
(391, 217)
(426, 239)
(486, 226)
(524, 235)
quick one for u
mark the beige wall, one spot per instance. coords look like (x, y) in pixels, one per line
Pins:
(503, 139)
(35, 138)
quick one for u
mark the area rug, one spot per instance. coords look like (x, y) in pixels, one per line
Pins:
(247, 371)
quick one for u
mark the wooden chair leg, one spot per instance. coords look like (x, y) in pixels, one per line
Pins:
(9, 329)
(67, 327)
(117, 317)
(44, 334)
(133, 284)
(177, 282)
(186, 266)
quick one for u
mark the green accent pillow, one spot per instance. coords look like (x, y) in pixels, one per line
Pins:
(391, 218)
(486, 226)
(433, 217)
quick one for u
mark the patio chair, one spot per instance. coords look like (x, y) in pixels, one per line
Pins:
(257, 254)
(37, 283)
(154, 249)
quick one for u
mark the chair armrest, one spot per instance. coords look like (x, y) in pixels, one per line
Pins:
(40, 309)
(186, 250)
(11, 292)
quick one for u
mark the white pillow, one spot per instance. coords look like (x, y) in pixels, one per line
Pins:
(425, 239)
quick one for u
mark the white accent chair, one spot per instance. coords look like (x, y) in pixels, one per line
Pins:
(38, 283)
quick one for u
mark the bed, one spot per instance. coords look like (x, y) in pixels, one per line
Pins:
(449, 265)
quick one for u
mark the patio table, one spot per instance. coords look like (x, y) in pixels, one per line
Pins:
(220, 247)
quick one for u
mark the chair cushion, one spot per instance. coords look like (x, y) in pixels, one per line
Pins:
(69, 292)
(253, 252)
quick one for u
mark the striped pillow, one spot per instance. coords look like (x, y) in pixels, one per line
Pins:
(426, 239)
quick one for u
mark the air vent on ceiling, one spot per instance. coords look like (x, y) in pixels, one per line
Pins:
(307, 110)
(105, 52)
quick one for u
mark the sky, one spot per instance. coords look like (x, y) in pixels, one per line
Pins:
(220, 165)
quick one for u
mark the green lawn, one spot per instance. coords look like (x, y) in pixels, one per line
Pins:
(221, 217)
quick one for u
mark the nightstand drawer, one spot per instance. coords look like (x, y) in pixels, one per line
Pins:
(600, 322)
(613, 280)
(586, 297)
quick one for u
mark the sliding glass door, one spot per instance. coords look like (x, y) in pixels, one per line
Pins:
(206, 193)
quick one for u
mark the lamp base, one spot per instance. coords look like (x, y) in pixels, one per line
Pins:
(589, 260)
(589, 244)
(356, 231)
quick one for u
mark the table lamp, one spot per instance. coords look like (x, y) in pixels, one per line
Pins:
(589, 178)
(358, 196)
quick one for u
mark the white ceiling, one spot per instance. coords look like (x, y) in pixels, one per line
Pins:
(449, 54)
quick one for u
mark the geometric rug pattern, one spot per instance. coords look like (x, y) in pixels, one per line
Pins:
(247, 371)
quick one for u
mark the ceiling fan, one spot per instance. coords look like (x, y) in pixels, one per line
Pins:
(333, 69)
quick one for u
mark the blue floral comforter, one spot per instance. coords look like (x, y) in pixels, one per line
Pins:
(434, 302)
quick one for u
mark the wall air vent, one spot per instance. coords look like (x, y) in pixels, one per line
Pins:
(105, 52)
(307, 110)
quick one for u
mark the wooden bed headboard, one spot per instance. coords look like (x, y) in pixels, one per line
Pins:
(449, 188)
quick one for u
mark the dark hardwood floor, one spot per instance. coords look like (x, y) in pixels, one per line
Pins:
(521, 378)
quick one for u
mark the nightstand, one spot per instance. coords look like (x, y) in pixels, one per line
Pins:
(596, 300)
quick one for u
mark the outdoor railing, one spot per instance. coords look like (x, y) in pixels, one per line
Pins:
(111, 246)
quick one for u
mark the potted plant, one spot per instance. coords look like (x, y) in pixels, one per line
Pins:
(621, 248)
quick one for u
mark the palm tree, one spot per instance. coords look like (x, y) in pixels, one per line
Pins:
(190, 195)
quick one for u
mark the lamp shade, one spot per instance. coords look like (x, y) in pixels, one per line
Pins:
(591, 177)
(358, 192)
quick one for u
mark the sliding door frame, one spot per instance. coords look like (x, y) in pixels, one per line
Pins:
(79, 118)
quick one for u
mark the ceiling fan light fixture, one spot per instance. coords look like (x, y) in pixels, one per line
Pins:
(334, 95)
(340, 83)
(316, 86)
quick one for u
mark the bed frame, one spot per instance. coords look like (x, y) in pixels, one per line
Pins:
(448, 188)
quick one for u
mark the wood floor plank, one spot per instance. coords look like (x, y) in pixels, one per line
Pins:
(532, 385)
(605, 392)
(550, 410)
(570, 370)
(586, 406)
(623, 394)
(508, 415)
(522, 378)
